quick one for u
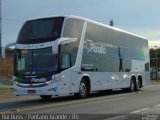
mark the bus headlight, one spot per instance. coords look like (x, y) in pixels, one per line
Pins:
(59, 78)
(55, 79)
(15, 83)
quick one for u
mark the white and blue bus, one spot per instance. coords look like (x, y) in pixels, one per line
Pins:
(74, 55)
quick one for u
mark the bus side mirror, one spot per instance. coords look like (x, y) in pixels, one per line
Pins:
(5, 47)
(64, 40)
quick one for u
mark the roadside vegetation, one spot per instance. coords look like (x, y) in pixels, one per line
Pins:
(2, 88)
(6, 65)
(155, 63)
(155, 81)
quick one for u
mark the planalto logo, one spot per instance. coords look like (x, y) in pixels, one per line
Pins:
(38, 80)
(96, 49)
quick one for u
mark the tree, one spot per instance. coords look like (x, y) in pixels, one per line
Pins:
(155, 61)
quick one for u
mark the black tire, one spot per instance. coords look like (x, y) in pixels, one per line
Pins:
(83, 90)
(45, 97)
(138, 85)
(132, 87)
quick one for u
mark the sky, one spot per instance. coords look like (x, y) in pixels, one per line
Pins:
(136, 16)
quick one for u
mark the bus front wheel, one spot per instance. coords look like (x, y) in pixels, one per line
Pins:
(83, 90)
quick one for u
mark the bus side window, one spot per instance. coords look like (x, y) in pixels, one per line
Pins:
(65, 61)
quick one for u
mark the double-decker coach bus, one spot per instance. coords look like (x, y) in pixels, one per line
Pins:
(74, 55)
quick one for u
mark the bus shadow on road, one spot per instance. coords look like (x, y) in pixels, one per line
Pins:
(92, 95)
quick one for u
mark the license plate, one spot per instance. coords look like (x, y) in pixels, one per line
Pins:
(31, 91)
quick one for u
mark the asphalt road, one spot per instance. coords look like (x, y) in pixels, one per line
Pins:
(116, 105)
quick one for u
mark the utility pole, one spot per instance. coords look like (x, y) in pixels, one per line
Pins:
(0, 26)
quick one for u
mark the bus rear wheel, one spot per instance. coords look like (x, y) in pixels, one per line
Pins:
(138, 85)
(132, 87)
(45, 97)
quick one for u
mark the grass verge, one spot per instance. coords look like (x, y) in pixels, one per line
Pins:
(4, 89)
(155, 82)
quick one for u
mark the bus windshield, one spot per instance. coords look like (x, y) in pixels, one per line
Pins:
(35, 62)
(40, 30)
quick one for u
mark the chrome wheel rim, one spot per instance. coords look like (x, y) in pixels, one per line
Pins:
(138, 85)
(132, 86)
(82, 89)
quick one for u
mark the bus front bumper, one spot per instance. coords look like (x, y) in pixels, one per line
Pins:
(50, 89)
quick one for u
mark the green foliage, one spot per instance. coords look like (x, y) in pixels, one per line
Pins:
(4, 89)
(10, 49)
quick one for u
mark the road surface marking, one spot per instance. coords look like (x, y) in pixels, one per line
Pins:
(107, 100)
(119, 117)
(138, 111)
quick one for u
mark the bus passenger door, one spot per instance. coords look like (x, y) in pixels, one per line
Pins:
(66, 73)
